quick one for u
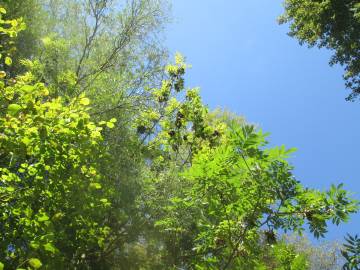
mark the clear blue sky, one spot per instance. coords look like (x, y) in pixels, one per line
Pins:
(244, 61)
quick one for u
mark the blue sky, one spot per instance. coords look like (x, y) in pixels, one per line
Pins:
(243, 61)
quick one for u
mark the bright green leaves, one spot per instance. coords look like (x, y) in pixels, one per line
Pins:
(221, 185)
(35, 263)
(319, 207)
(105, 202)
(339, 204)
(8, 61)
(281, 152)
(111, 123)
(9, 30)
(49, 153)
(95, 185)
(178, 122)
(84, 101)
(237, 188)
(44, 143)
(42, 217)
(13, 109)
(285, 257)
(28, 88)
(50, 248)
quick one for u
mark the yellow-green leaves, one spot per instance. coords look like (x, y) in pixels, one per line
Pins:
(50, 153)
(49, 139)
(42, 217)
(95, 185)
(105, 202)
(10, 29)
(13, 109)
(46, 40)
(35, 263)
(179, 120)
(84, 101)
(233, 187)
(28, 88)
(8, 61)
(111, 123)
(50, 247)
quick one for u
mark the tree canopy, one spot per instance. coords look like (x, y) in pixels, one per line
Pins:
(109, 161)
(332, 24)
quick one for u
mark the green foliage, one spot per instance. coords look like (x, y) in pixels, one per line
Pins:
(163, 184)
(26, 43)
(108, 50)
(351, 252)
(35, 263)
(174, 126)
(288, 259)
(177, 124)
(52, 197)
(333, 24)
(213, 185)
(112, 47)
(49, 176)
(10, 29)
(235, 189)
